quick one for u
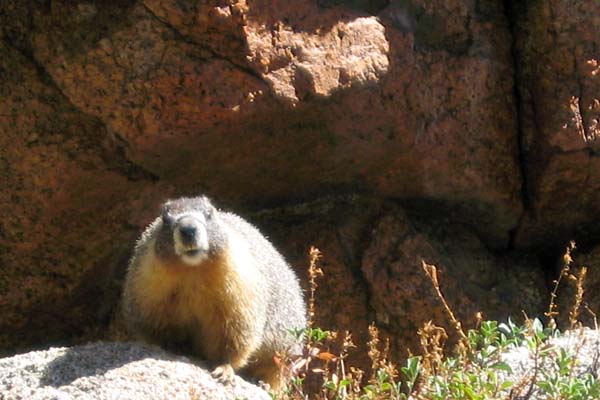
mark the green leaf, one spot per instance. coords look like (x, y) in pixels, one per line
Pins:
(471, 393)
(411, 371)
(502, 366)
(329, 385)
(344, 383)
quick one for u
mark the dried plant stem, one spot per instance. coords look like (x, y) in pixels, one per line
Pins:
(431, 272)
(314, 272)
(374, 353)
(574, 313)
(432, 339)
(552, 307)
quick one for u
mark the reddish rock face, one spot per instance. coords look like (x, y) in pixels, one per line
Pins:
(471, 279)
(109, 108)
(559, 81)
(67, 200)
(371, 261)
(258, 102)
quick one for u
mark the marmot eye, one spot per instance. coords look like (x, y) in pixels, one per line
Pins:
(168, 219)
(210, 212)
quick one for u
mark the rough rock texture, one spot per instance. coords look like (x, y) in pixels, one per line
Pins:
(113, 370)
(558, 44)
(287, 99)
(108, 108)
(470, 277)
(372, 254)
(67, 202)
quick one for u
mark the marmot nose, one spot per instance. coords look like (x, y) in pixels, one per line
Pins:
(188, 232)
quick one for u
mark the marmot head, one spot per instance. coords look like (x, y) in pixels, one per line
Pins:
(190, 231)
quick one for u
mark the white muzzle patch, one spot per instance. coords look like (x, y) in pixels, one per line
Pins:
(191, 238)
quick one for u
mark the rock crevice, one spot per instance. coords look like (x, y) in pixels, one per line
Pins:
(509, 12)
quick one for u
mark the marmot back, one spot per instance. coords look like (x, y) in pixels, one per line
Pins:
(206, 283)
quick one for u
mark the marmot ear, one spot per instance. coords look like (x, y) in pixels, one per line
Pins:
(211, 211)
(165, 213)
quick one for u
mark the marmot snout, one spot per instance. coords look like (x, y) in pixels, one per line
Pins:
(190, 238)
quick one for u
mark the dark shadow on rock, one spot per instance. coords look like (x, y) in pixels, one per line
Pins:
(84, 313)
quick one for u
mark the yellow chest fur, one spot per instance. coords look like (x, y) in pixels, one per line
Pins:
(213, 303)
(188, 293)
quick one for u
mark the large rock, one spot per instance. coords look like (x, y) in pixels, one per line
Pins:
(69, 200)
(557, 45)
(108, 108)
(372, 254)
(113, 370)
(471, 278)
(258, 102)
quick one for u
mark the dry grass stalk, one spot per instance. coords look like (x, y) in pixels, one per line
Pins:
(575, 311)
(433, 339)
(577, 118)
(552, 306)
(356, 375)
(431, 271)
(373, 348)
(380, 359)
(314, 272)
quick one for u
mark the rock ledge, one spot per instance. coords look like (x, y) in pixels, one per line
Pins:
(104, 370)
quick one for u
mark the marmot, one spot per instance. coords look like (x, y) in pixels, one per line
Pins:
(206, 283)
